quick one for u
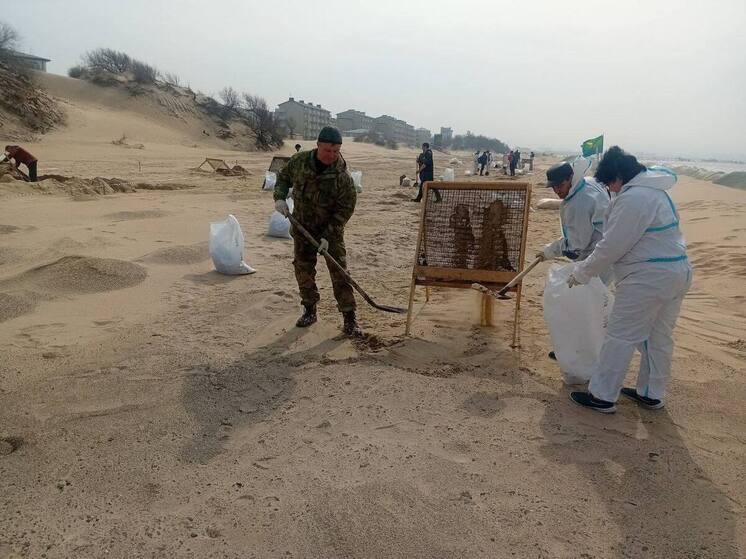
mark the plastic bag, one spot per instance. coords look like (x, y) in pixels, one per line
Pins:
(270, 180)
(226, 247)
(577, 320)
(279, 225)
(448, 175)
(357, 178)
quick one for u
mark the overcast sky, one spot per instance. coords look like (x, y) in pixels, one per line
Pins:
(660, 76)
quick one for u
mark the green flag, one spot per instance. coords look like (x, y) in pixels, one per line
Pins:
(593, 146)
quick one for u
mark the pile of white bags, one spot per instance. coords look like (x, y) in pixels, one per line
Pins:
(577, 320)
(270, 179)
(226, 247)
(279, 225)
(357, 178)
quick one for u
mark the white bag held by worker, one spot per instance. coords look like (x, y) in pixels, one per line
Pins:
(357, 178)
(226, 247)
(576, 319)
(279, 225)
(270, 179)
(448, 175)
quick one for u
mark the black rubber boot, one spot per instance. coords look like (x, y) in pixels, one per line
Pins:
(308, 318)
(351, 327)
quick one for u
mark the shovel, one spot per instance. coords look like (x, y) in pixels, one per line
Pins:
(339, 267)
(502, 293)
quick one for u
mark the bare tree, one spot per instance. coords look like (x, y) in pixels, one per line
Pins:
(171, 79)
(230, 98)
(9, 37)
(110, 60)
(262, 122)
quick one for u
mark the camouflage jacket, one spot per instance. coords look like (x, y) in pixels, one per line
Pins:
(322, 202)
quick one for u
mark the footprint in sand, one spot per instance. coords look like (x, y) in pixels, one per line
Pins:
(178, 255)
(7, 229)
(127, 216)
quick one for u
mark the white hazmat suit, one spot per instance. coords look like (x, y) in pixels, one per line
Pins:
(644, 245)
(581, 215)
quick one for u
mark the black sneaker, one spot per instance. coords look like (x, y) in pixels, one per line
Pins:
(587, 400)
(645, 402)
(351, 327)
(552, 356)
(308, 318)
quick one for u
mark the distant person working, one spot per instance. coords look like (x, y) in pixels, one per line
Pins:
(20, 155)
(426, 169)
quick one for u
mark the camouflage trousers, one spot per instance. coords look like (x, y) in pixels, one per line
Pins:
(304, 262)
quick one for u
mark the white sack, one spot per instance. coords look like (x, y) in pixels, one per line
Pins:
(270, 179)
(357, 178)
(577, 320)
(279, 225)
(226, 247)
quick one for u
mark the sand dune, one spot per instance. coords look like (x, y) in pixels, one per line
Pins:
(157, 408)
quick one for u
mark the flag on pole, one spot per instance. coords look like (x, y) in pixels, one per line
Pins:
(593, 146)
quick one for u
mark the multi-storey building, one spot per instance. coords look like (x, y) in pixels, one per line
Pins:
(354, 120)
(422, 135)
(394, 129)
(304, 119)
(446, 135)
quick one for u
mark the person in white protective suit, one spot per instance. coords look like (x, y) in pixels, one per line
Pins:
(584, 204)
(644, 246)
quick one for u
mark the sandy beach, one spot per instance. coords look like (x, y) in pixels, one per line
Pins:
(151, 407)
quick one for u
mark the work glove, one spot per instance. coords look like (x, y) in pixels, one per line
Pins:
(572, 282)
(323, 245)
(540, 256)
(282, 207)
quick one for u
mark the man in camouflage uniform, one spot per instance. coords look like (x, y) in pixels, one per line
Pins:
(324, 199)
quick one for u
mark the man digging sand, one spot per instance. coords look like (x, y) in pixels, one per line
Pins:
(324, 200)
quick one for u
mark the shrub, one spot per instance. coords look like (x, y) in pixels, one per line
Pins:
(143, 73)
(110, 60)
(76, 72)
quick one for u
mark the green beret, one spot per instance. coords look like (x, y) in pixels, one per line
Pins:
(330, 135)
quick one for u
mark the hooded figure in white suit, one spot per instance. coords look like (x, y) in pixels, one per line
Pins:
(643, 245)
(582, 210)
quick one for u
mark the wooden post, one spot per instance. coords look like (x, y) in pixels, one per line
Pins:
(516, 316)
(416, 255)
